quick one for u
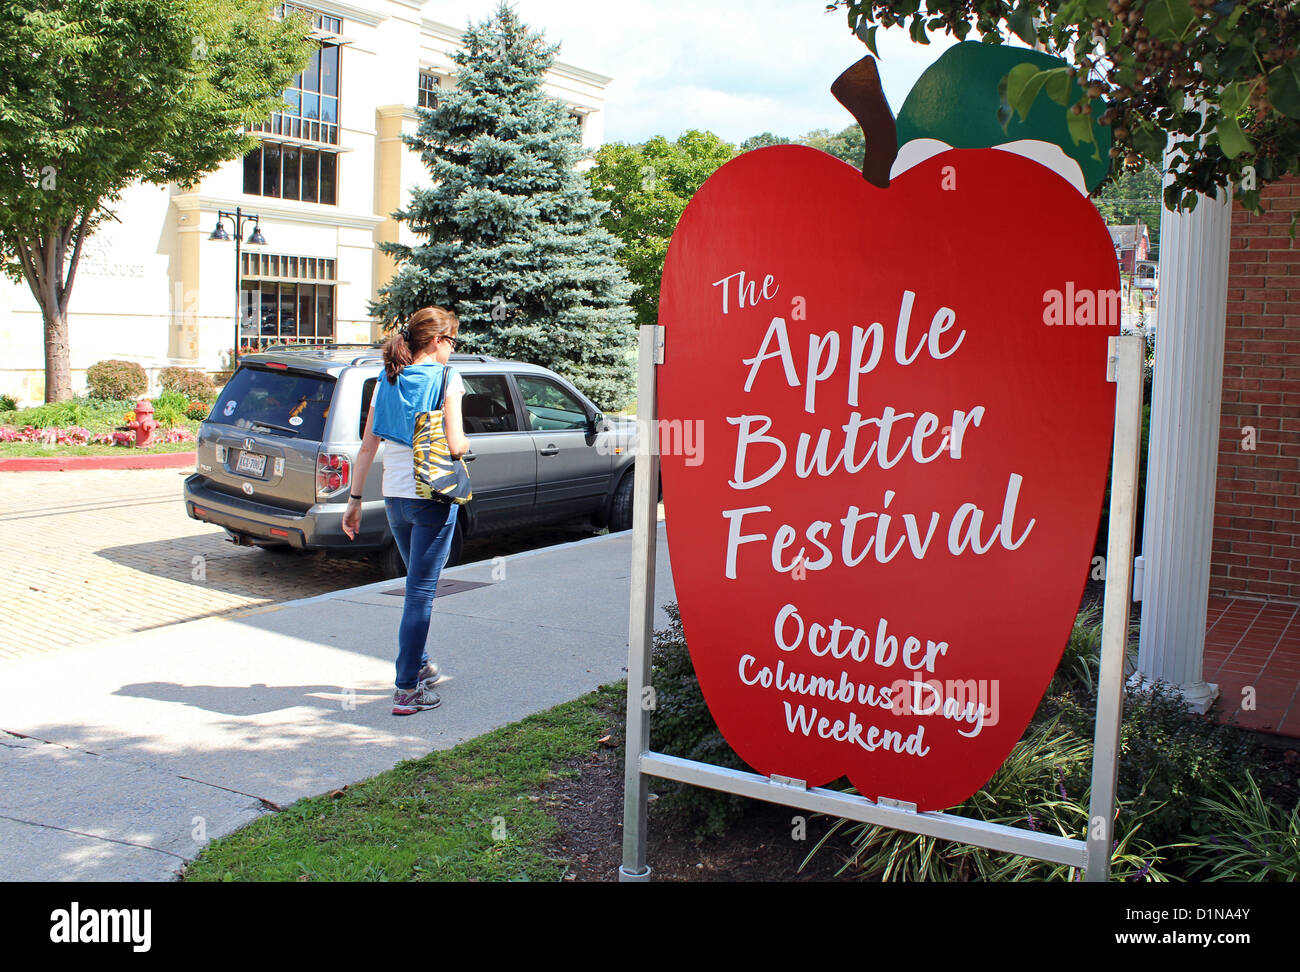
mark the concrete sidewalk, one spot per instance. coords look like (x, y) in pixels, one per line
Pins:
(120, 759)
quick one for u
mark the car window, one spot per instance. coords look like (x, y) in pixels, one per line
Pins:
(550, 407)
(486, 406)
(288, 402)
(367, 395)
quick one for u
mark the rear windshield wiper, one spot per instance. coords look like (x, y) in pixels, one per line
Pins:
(267, 425)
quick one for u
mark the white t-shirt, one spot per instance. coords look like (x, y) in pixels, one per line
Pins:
(399, 461)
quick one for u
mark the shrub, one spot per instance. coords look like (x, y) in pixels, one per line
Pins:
(169, 408)
(1253, 841)
(116, 379)
(197, 411)
(53, 415)
(8, 403)
(681, 725)
(1168, 757)
(1041, 786)
(189, 382)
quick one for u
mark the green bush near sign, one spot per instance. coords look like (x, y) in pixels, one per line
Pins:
(1171, 767)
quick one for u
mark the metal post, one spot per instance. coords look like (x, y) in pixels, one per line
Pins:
(239, 243)
(1125, 368)
(645, 522)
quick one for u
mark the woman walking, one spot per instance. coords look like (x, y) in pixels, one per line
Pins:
(415, 359)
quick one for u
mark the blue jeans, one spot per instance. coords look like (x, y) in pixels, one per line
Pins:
(423, 530)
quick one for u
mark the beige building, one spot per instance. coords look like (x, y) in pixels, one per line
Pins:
(153, 287)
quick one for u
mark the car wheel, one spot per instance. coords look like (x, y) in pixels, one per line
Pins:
(620, 514)
(390, 562)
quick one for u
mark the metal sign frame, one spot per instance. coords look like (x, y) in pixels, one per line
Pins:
(1091, 854)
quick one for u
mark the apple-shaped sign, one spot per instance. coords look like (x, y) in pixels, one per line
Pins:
(899, 429)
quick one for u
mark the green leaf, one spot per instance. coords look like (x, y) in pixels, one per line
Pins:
(1284, 88)
(1080, 128)
(1021, 22)
(1024, 81)
(1058, 85)
(1168, 20)
(1149, 142)
(917, 30)
(1232, 140)
(868, 36)
(1234, 96)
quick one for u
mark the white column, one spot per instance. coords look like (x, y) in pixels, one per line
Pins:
(1184, 446)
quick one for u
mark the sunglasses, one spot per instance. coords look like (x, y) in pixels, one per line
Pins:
(445, 337)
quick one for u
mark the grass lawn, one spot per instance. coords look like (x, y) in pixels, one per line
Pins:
(464, 814)
(11, 449)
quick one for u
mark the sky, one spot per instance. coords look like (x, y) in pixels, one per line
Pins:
(735, 69)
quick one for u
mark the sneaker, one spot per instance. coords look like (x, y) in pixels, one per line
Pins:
(415, 700)
(428, 674)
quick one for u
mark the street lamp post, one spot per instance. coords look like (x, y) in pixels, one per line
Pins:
(238, 220)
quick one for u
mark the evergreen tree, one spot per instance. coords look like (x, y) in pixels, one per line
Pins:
(511, 236)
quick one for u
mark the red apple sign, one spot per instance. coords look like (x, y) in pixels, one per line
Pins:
(885, 428)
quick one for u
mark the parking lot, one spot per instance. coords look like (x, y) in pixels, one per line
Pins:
(92, 554)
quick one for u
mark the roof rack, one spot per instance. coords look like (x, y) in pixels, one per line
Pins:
(310, 348)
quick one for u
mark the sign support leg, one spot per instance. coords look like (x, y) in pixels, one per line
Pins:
(645, 530)
(1125, 366)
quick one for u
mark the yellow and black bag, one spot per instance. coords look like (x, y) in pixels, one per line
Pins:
(437, 475)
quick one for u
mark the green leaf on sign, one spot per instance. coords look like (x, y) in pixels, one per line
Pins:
(1004, 108)
(1168, 20)
(1023, 81)
(1232, 140)
(1080, 131)
(1058, 85)
(1284, 88)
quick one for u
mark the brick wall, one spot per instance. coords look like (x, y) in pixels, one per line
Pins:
(1257, 507)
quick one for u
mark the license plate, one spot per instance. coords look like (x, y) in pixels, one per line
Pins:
(251, 462)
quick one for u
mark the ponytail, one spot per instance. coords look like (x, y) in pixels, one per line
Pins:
(397, 355)
(421, 331)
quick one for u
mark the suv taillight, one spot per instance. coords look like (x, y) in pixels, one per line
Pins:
(333, 472)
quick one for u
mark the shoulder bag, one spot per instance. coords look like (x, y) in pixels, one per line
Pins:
(437, 475)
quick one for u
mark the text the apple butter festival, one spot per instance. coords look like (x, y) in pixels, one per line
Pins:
(883, 441)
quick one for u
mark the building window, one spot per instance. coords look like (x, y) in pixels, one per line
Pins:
(311, 106)
(285, 298)
(290, 171)
(306, 172)
(577, 118)
(429, 84)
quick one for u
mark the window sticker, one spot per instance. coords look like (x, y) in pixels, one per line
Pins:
(230, 407)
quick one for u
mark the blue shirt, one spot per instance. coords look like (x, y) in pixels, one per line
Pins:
(417, 390)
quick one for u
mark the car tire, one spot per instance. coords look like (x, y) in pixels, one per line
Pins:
(620, 513)
(391, 564)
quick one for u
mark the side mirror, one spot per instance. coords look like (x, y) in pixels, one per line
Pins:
(595, 422)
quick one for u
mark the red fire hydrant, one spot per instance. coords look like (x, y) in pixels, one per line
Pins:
(143, 424)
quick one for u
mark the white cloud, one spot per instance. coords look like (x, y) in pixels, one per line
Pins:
(733, 69)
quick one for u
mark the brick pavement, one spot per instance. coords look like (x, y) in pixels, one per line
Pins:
(92, 554)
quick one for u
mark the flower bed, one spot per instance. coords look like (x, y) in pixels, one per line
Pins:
(75, 435)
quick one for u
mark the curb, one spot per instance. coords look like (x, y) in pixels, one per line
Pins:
(153, 460)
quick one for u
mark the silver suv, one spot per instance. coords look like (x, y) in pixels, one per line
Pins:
(276, 454)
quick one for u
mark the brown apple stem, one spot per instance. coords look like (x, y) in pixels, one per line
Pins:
(858, 89)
